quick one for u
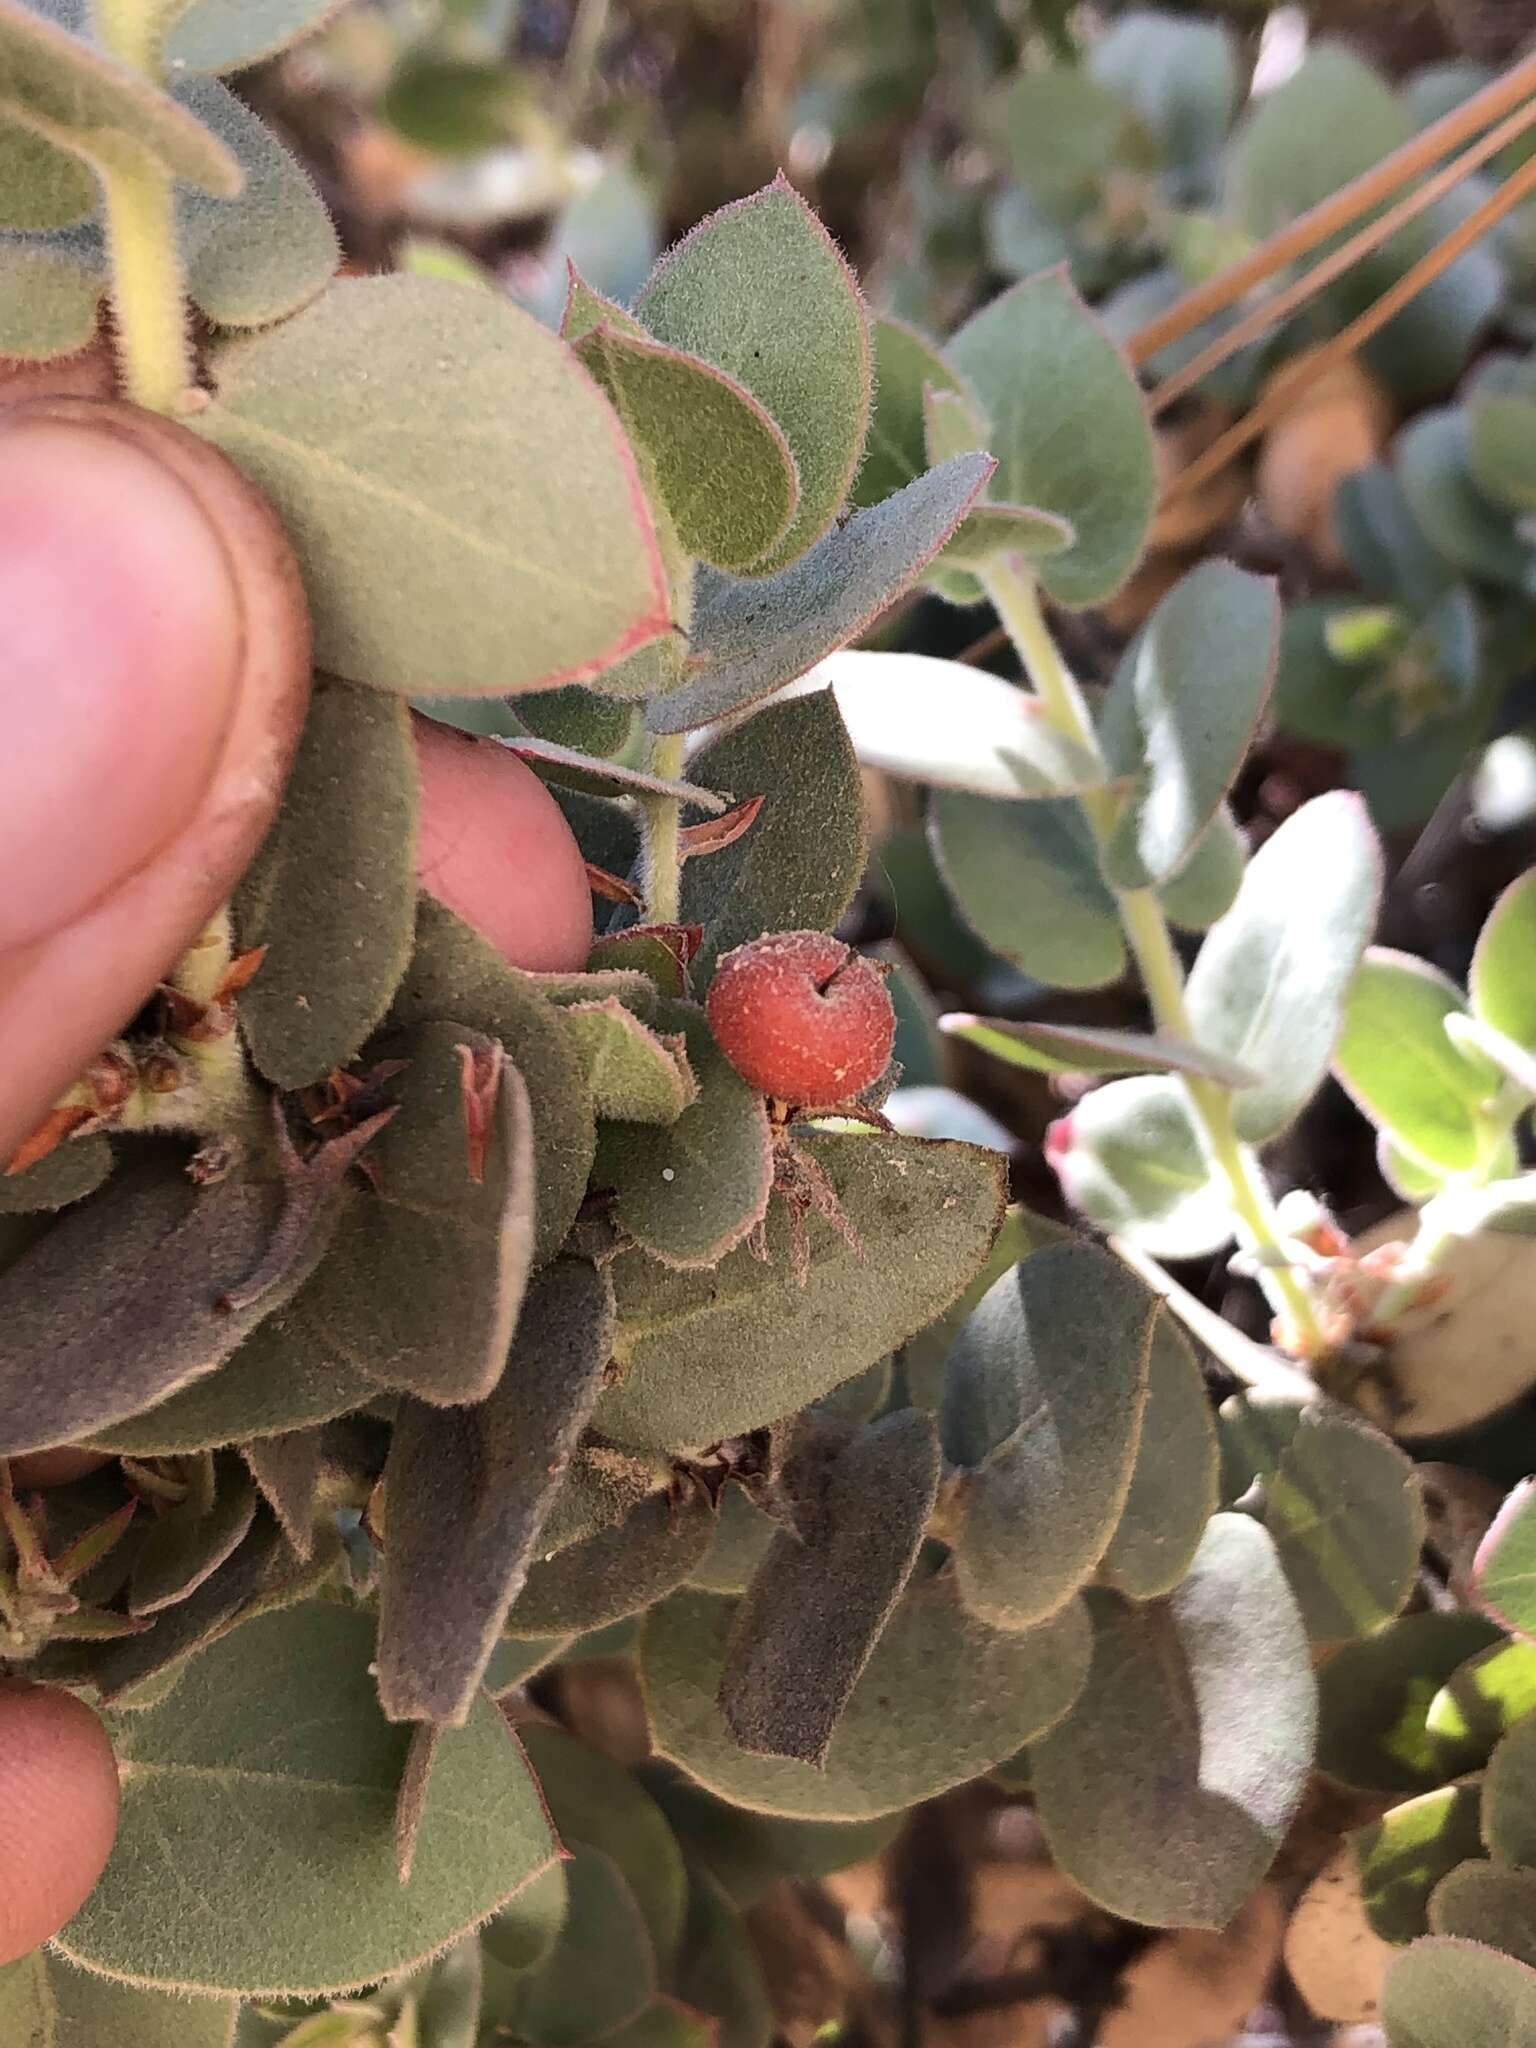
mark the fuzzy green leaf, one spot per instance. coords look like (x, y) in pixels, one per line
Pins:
(260, 257)
(1167, 1790)
(1043, 1400)
(441, 556)
(953, 727)
(595, 1803)
(751, 635)
(1502, 450)
(749, 1853)
(47, 2003)
(1491, 1903)
(798, 866)
(1398, 1063)
(1509, 1796)
(456, 973)
(287, 1472)
(50, 294)
(1178, 722)
(1134, 1165)
(617, 1572)
(907, 366)
(1441, 1990)
(634, 1074)
(69, 1173)
(68, 93)
(1087, 454)
(332, 892)
(1268, 988)
(1480, 1702)
(187, 1545)
(1502, 983)
(818, 1603)
(601, 1972)
(743, 1536)
(942, 1699)
(230, 35)
(719, 1973)
(1374, 1695)
(688, 1191)
(1173, 1491)
(268, 1781)
(123, 1299)
(1504, 1572)
(1206, 885)
(43, 187)
(1026, 879)
(1403, 1856)
(761, 289)
(1434, 464)
(467, 1491)
(715, 1354)
(722, 466)
(1347, 1519)
(524, 1932)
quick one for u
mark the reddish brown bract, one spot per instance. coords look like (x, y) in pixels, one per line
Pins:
(802, 1017)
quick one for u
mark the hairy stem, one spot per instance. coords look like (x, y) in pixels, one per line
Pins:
(663, 836)
(154, 345)
(1016, 599)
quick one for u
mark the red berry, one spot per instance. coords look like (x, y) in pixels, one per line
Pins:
(803, 1017)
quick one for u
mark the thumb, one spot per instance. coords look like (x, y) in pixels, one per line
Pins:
(153, 675)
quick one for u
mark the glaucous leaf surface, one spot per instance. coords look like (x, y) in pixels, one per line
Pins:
(1491, 1903)
(229, 35)
(1403, 1856)
(1167, 1790)
(1173, 1491)
(50, 293)
(1398, 1063)
(268, 1780)
(1443, 1990)
(1131, 1160)
(487, 538)
(1347, 1518)
(1503, 978)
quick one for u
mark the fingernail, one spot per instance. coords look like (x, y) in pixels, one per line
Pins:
(120, 663)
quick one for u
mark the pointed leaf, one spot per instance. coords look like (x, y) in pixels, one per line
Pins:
(400, 508)
(187, 1545)
(63, 89)
(1503, 979)
(634, 1075)
(123, 1298)
(1087, 456)
(1442, 1990)
(953, 727)
(467, 1491)
(260, 257)
(1268, 988)
(1026, 878)
(761, 289)
(907, 366)
(1183, 710)
(456, 973)
(617, 1572)
(596, 1803)
(1401, 1068)
(230, 35)
(723, 468)
(744, 1535)
(942, 1699)
(751, 635)
(1173, 1491)
(715, 1354)
(798, 867)
(688, 1191)
(1167, 1790)
(1043, 1399)
(1082, 1049)
(229, 1793)
(287, 1472)
(331, 895)
(822, 1596)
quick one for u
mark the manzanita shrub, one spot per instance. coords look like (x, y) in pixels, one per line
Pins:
(446, 1323)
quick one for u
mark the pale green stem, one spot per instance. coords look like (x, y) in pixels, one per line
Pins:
(154, 346)
(1016, 599)
(664, 836)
